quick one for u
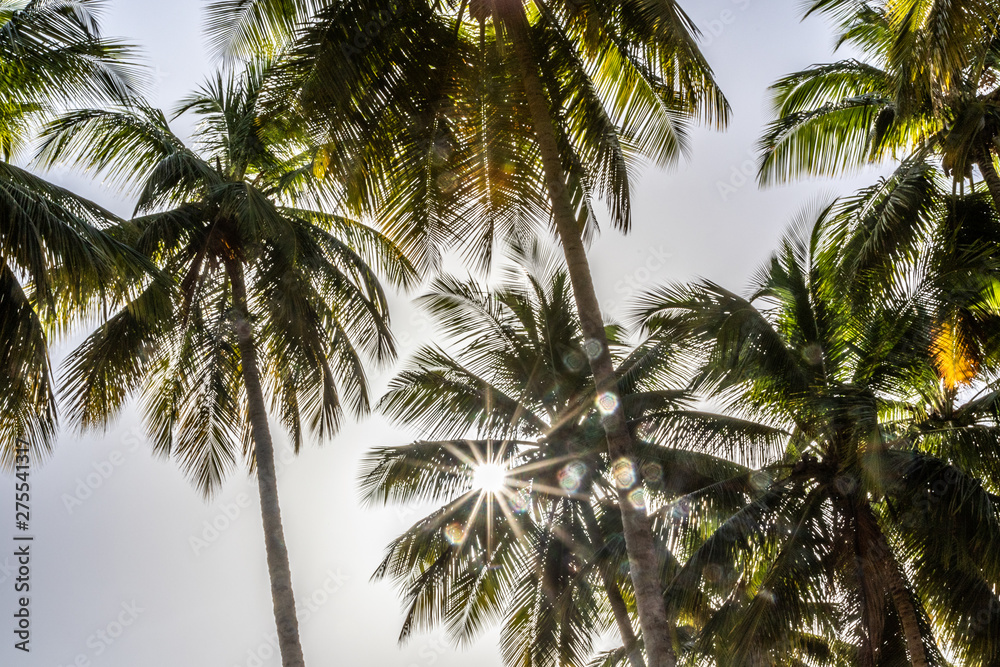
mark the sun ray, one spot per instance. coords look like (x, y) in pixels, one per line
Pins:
(560, 492)
(547, 463)
(471, 520)
(489, 524)
(460, 455)
(511, 519)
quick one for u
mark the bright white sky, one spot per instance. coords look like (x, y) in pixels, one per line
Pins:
(124, 553)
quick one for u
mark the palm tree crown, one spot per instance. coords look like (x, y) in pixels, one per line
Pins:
(882, 503)
(262, 295)
(464, 121)
(54, 260)
(926, 86)
(540, 548)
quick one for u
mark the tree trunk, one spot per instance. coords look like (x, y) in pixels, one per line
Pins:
(622, 620)
(907, 615)
(991, 177)
(898, 587)
(643, 561)
(274, 537)
(615, 599)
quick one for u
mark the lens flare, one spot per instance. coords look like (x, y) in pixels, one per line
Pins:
(680, 510)
(652, 472)
(624, 473)
(760, 480)
(845, 485)
(571, 476)
(574, 361)
(713, 573)
(520, 502)
(593, 348)
(454, 533)
(607, 402)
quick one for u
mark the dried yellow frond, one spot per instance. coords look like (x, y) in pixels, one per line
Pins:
(952, 357)
(321, 162)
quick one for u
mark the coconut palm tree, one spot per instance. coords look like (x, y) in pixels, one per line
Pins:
(926, 85)
(910, 221)
(53, 256)
(878, 520)
(463, 121)
(54, 55)
(526, 528)
(269, 297)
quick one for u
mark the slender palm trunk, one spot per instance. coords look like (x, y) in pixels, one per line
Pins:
(898, 587)
(615, 599)
(622, 620)
(907, 615)
(991, 177)
(643, 561)
(267, 482)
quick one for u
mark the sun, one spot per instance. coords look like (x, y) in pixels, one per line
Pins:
(489, 477)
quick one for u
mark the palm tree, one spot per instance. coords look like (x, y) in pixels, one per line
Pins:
(53, 256)
(527, 528)
(912, 218)
(268, 297)
(927, 85)
(522, 99)
(879, 520)
(53, 55)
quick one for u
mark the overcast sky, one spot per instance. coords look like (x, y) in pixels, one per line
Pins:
(128, 569)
